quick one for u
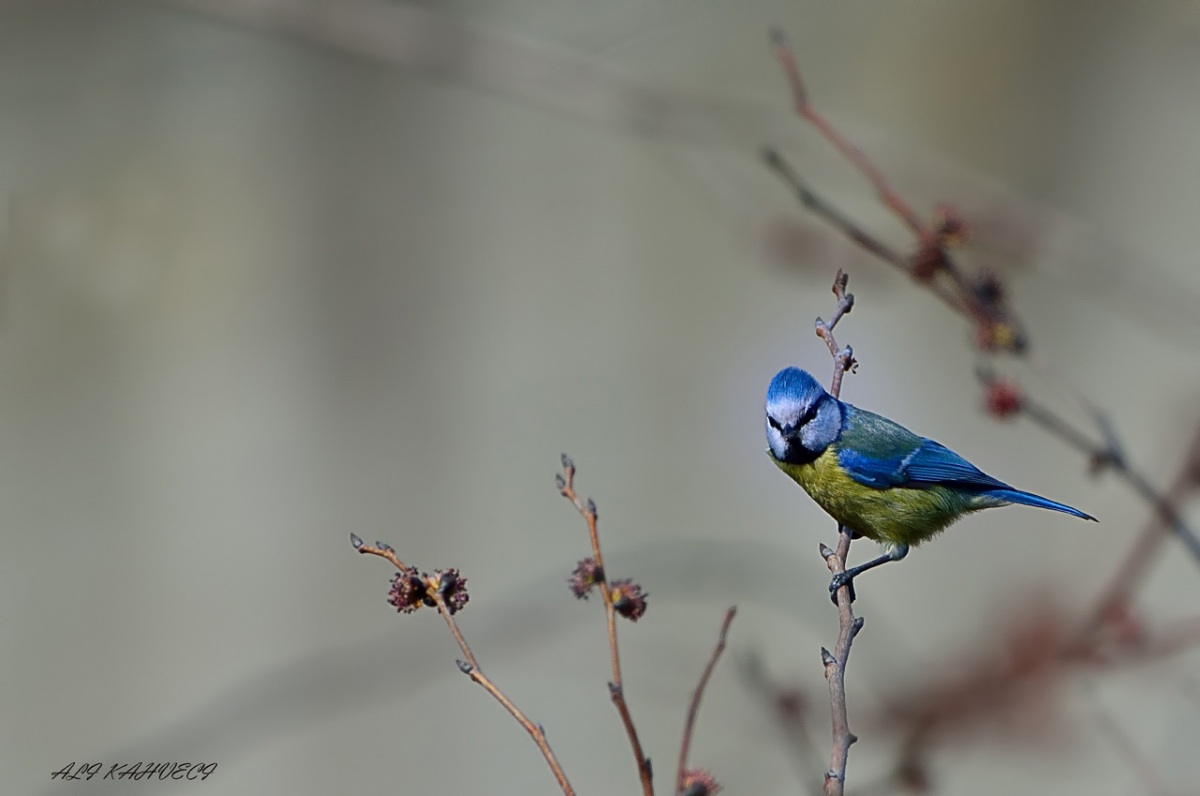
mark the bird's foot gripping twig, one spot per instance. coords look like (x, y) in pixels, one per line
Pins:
(846, 577)
(839, 580)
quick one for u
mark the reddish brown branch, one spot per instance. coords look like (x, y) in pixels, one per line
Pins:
(689, 725)
(1166, 514)
(615, 687)
(1145, 547)
(821, 207)
(434, 591)
(887, 194)
(1110, 454)
(980, 300)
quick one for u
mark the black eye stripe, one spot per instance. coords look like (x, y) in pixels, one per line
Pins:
(807, 416)
(801, 421)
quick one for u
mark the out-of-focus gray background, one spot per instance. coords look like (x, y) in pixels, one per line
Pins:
(279, 271)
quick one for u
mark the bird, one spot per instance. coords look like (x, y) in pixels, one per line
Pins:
(876, 478)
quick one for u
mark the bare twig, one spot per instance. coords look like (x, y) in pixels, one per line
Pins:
(689, 724)
(615, 687)
(835, 668)
(1015, 673)
(848, 625)
(888, 195)
(1110, 454)
(435, 592)
(843, 359)
(1166, 517)
(979, 299)
(822, 207)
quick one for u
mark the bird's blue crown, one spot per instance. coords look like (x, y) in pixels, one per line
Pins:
(793, 384)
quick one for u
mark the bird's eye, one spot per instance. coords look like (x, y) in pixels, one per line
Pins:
(808, 415)
(773, 423)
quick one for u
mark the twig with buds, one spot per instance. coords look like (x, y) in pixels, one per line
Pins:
(622, 597)
(843, 358)
(446, 590)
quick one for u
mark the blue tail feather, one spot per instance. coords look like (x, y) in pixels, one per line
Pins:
(1030, 499)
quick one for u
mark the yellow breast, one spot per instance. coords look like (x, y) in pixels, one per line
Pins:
(895, 515)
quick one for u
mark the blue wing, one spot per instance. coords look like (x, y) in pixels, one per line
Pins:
(928, 464)
(881, 454)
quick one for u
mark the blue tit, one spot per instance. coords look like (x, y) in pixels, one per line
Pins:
(873, 476)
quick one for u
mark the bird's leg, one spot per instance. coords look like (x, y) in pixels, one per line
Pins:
(842, 578)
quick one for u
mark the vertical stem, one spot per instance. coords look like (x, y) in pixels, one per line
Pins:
(689, 724)
(835, 668)
(616, 688)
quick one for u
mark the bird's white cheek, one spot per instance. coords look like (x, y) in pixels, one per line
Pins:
(776, 443)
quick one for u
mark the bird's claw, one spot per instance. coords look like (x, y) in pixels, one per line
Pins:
(839, 580)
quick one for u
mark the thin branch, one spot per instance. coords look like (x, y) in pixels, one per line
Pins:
(435, 592)
(382, 550)
(1110, 454)
(848, 625)
(887, 194)
(1166, 517)
(835, 667)
(980, 300)
(822, 207)
(615, 687)
(843, 359)
(689, 724)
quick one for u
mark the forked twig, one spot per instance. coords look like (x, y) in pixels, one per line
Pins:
(1005, 399)
(843, 359)
(887, 194)
(980, 300)
(822, 207)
